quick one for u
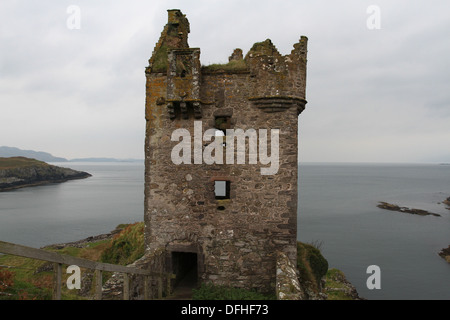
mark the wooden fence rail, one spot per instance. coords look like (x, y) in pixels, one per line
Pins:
(59, 259)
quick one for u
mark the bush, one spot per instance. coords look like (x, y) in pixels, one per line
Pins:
(127, 246)
(6, 279)
(311, 264)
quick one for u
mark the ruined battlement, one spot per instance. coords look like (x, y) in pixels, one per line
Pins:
(226, 218)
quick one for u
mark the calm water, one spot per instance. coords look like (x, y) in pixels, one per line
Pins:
(337, 208)
(75, 209)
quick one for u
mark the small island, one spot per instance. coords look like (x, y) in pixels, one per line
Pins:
(20, 172)
(394, 207)
(445, 254)
(447, 202)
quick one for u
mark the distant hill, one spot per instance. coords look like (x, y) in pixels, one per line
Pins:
(7, 152)
(104, 160)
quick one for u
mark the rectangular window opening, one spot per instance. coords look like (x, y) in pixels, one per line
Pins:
(222, 189)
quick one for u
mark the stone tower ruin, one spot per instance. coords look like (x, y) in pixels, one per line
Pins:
(225, 220)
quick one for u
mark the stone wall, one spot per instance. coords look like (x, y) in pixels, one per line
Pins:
(154, 262)
(287, 284)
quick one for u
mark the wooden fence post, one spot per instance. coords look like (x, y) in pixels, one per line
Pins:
(126, 287)
(168, 284)
(57, 278)
(146, 287)
(160, 286)
(98, 284)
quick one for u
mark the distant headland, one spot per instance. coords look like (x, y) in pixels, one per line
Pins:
(20, 172)
(47, 157)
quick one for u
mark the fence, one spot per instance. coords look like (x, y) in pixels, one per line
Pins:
(59, 259)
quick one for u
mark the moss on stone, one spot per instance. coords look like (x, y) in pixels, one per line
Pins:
(160, 59)
(232, 66)
(312, 266)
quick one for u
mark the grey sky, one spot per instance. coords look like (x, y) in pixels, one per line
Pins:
(378, 95)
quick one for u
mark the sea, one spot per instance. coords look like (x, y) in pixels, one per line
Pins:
(337, 213)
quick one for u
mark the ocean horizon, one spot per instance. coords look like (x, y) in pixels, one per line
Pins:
(337, 209)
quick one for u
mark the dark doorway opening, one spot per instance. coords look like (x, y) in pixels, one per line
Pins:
(184, 266)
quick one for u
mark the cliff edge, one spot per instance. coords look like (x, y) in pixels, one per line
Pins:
(20, 172)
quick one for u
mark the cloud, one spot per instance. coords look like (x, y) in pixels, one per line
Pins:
(73, 92)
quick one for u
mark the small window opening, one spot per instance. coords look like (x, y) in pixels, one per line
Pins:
(222, 189)
(221, 126)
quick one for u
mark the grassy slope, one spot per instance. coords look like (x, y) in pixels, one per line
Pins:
(19, 162)
(33, 278)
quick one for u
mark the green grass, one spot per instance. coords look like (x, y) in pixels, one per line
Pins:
(312, 266)
(19, 162)
(332, 283)
(28, 284)
(212, 292)
(126, 247)
(160, 60)
(234, 65)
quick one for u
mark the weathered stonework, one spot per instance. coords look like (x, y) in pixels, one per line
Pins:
(287, 284)
(234, 238)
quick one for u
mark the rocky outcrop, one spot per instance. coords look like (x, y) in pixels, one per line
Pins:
(35, 173)
(394, 207)
(447, 202)
(339, 288)
(445, 254)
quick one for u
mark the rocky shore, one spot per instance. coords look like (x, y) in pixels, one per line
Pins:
(83, 243)
(447, 202)
(394, 207)
(445, 254)
(20, 172)
(337, 285)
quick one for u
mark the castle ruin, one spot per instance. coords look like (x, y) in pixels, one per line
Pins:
(225, 220)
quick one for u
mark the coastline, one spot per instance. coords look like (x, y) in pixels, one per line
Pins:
(20, 172)
(445, 254)
(83, 243)
(39, 183)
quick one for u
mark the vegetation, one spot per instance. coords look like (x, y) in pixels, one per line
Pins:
(336, 286)
(312, 266)
(126, 247)
(31, 279)
(160, 60)
(211, 292)
(234, 65)
(19, 162)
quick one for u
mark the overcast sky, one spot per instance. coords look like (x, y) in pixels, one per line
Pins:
(374, 94)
